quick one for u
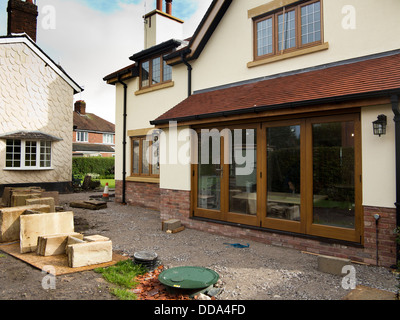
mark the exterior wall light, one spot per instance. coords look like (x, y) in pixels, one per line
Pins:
(380, 125)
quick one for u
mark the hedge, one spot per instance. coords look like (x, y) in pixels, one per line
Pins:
(104, 167)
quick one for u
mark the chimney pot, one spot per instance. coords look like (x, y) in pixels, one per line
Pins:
(168, 6)
(159, 5)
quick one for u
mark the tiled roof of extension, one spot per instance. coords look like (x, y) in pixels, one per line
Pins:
(91, 122)
(360, 78)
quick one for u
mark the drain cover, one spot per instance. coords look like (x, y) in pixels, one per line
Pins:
(188, 277)
(146, 258)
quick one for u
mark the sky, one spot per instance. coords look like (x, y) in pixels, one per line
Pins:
(93, 38)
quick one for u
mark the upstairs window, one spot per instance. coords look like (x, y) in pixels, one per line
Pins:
(154, 71)
(288, 29)
(108, 138)
(82, 136)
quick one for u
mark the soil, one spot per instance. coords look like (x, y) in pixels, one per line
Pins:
(257, 272)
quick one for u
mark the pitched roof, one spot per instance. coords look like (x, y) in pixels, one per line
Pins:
(91, 122)
(29, 135)
(358, 78)
(76, 147)
(24, 38)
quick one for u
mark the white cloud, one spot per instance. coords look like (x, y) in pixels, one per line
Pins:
(90, 43)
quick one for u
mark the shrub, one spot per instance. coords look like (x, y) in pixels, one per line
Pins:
(103, 167)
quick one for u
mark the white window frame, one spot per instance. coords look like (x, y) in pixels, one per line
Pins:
(108, 138)
(82, 136)
(42, 150)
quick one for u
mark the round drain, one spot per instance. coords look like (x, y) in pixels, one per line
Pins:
(188, 277)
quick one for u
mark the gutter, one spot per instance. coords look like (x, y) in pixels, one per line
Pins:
(396, 110)
(124, 143)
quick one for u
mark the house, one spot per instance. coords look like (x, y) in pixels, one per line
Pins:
(93, 136)
(276, 122)
(36, 97)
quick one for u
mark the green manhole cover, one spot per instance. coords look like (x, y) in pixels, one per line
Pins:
(188, 277)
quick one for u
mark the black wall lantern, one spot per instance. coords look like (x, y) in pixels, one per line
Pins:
(380, 125)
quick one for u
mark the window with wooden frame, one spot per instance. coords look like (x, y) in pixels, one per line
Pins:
(288, 29)
(145, 157)
(154, 71)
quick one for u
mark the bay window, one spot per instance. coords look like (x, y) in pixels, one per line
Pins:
(28, 155)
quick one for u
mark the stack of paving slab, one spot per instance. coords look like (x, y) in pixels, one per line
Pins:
(33, 220)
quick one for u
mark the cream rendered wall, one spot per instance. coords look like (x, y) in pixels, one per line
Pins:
(141, 109)
(33, 97)
(378, 159)
(161, 29)
(225, 57)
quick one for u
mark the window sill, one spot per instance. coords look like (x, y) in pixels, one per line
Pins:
(155, 88)
(27, 169)
(143, 179)
(297, 53)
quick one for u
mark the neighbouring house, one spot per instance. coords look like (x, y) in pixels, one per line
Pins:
(276, 122)
(36, 97)
(93, 136)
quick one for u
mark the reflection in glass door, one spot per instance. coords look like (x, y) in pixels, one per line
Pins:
(333, 174)
(209, 172)
(283, 172)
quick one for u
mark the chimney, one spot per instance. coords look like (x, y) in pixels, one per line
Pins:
(168, 4)
(22, 17)
(159, 5)
(80, 107)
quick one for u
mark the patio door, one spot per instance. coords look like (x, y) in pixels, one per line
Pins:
(225, 177)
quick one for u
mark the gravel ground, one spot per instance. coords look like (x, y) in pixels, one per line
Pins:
(259, 272)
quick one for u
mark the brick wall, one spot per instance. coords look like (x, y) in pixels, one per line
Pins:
(140, 194)
(22, 17)
(176, 204)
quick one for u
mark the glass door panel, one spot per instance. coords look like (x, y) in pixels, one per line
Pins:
(283, 173)
(333, 174)
(209, 172)
(243, 171)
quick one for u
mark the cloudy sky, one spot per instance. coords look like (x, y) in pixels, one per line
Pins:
(92, 38)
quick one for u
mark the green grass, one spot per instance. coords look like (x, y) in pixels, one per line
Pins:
(122, 274)
(111, 183)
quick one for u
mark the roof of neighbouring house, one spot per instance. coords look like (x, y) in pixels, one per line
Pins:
(371, 76)
(92, 122)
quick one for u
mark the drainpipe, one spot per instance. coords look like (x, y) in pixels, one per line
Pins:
(189, 68)
(396, 110)
(124, 143)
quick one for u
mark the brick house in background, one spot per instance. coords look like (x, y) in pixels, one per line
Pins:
(92, 136)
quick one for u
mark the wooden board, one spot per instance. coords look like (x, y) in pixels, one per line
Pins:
(59, 262)
(92, 205)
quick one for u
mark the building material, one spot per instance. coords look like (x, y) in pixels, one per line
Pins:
(332, 265)
(33, 226)
(19, 199)
(49, 201)
(51, 245)
(90, 204)
(9, 220)
(171, 224)
(88, 253)
(95, 237)
(8, 192)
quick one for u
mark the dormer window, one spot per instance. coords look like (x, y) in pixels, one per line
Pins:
(154, 72)
(288, 29)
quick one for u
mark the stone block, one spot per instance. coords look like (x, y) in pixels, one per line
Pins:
(95, 237)
(33, 226)
(49, 201)
(10, 220)
(171, 224)
(52, 194)
(19, 199)
(51, 245)
(8, 192)
(89, 253)
(332, 265)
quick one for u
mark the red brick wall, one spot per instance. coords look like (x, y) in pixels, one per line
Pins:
(22, 17)
(140, 194)
(176, 204)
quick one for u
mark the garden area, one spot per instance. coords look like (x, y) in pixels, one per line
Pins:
(99, 169)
